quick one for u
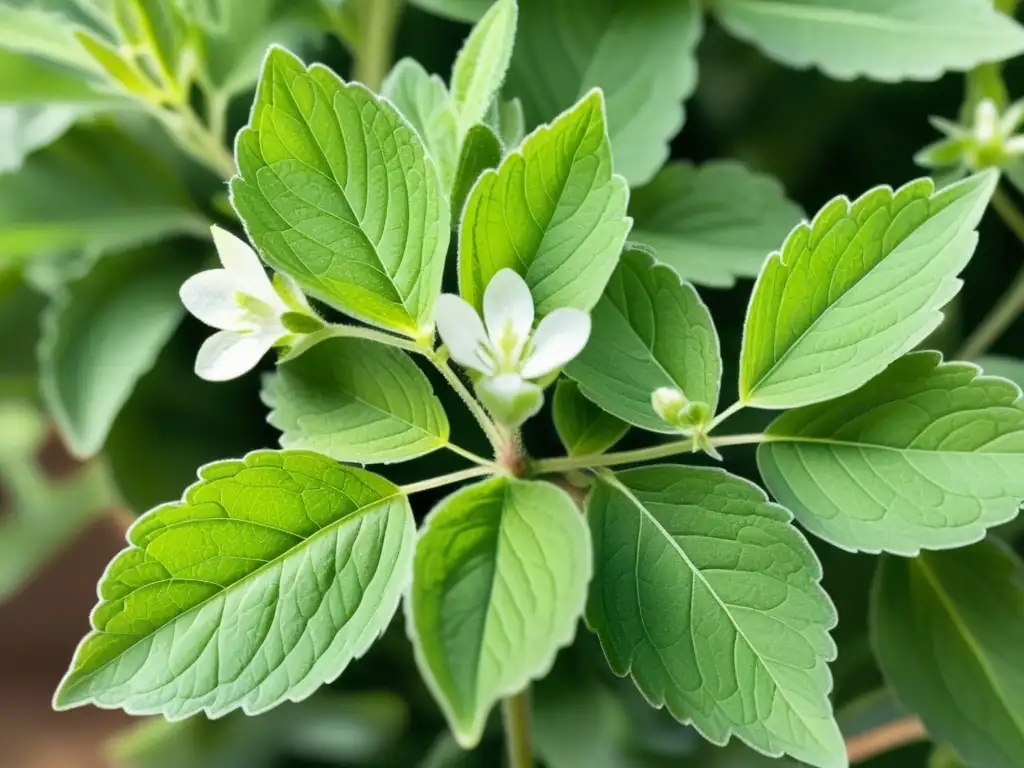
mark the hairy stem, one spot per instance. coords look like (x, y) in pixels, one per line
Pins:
(732, 409)
(449, 479)
(471, 402)
(518, 738)
(197, 139)
(569, 463)
(373, 54)
(458, 450)
(884, 738)
(1011, 303)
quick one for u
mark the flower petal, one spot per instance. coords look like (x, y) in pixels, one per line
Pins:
(210, 296)
(508, 314)
(228, 355)
(245, 267)
(463, 333)
(986, 121)
(558, 339)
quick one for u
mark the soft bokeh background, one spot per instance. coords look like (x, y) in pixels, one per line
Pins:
(818, 136)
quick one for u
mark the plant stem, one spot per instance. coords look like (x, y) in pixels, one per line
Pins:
(460, 451)
(569, 463)
(196, 139)
(471, 402)
(352, 332)
(1011, 303)
(453, 477)
(516, 717)
(884, 738)
(378, 19)
(734, 408)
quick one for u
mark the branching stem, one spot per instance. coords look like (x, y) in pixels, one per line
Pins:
(471, 402)
(449, 479)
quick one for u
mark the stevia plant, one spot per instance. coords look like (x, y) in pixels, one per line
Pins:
(510, 242)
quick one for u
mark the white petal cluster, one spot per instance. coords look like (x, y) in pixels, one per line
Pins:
(505, 348)
(243, 304)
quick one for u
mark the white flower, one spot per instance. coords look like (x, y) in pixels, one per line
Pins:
(241, 301)
(506, 353)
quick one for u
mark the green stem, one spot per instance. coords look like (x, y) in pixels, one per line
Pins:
(734, 408)
(442, 480)
(458, 450)
(376, 41)
(1011, 303)
(518, 739)
(471, 402)
(351, 332)
(569, 463)
(196, 139)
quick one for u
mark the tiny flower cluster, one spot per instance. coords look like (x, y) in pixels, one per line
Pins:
(991, 141)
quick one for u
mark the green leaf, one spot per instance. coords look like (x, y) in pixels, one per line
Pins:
(499, 582)
(356, 400)
(480, 67)
(424, 101)
(481, 150)
(642, 55)
(40, 514)
(946, 628)
(706, 594)
(460, 10)
(121, 69)
(28, 80)
(650, 330)
(553, 211)
(47, 35)
(24, 128)
(856, 288)
(880, 39)
(712, 223)
(925, 455)
(294, 563)
(583, 428)
(160, 29)
(102, 333)
(337, 190)
(122, 196)
(507, 120)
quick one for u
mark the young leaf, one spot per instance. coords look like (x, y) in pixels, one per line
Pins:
(553, 211)
(640, 54)
(650, 330)
(356, 400)
(46, 35)
(583, 428)
(460, 10)
(481, 150)
(925, 455)
(102, 333)
(481, 65)
(880, 39)
(337, 190)
(946, 628)
(710, 599)
(857, 288)
(712, 223)
(270, 576)
(499, 582)
(40, 514)
(124, 196)
(424, 101)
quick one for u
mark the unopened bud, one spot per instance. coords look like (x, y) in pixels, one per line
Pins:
(675, 408)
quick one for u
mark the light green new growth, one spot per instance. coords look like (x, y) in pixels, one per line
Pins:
(356, 400)
(650, 330)
(553, 211)
(499, 583)
(857, 287)
(261, 586)
(336, 189)
(706, 594)
(583, 427)
(481, 65)
(925, 455)
(881, 39)
(946, 629)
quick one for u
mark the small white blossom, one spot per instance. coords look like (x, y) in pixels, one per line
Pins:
(502, 347)
(991, 140)
(243, 304)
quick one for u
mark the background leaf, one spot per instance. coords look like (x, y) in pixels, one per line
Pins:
(946, 627)
(650, 330)
(553, 211)
(103, 332)
(712, 223)
(481, 150)
(499, 583)
(583, 428)
(295, 562)
(906, 40)
(355, 400)
(702, 590)
(461, 10)
(337, 191)
(481, 65)
(856, 288)
(640, 54)
(925, 455)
